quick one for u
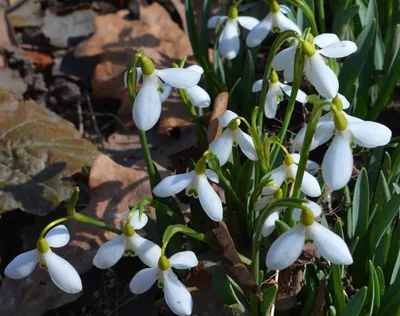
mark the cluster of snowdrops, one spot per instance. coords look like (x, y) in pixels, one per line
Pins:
(337, 165)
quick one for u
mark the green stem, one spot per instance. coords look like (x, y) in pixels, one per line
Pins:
(281, 38)
(321, 15)
(308, 12)
(88, 220)
(298, 75)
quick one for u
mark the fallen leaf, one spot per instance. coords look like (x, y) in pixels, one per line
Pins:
(289, 286)
(39, 152)
(28, 14)
(214, 129)
(11, 80)
(40, 60)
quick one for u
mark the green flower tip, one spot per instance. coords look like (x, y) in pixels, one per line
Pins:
(200, 167)
(233, 13)
(309, 49)
(175, 65)
(275, 7)
(273, 77)
(163, 263)
(233, 125)
(42, 246)
(288, 160)
(147, 65)
(307, 217)
(278, 194)
(310, 38)
(338, 103)
(340, 120)
(128, 231)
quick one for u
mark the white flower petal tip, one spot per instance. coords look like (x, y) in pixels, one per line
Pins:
(339, 49)
(58, 236)
(199, 97)
(222, 146)
(147, 251)
(22, 265)
(330, 245)
(227, 117)
(109, 253)
(62, 273)
(183, 260)
(211, 174)
(143, 280)
(248, 22)
(196, 68)
(173, 184)
(259, 32)
(209, 199)
(246, 144)
(310, 185)
(269, 224)
(370, 134)
(286, 249)
(257, 86)
(326, 39)
(213, 21)
(177, 296)
(229, 41)
(179, 77)
(137, 222)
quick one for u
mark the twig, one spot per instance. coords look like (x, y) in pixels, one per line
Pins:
(80, 118)
(273, 304)
(96, 127)
(98, 114)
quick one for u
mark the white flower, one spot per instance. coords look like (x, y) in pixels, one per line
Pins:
(287, 172)
(275, 21)
(126, 244)
(62, 273)
(229, 40)
(317, 71)
(275, 94)
(289, 246)
(269, 224)
(232, 136)
(343, 100)
(196, 184)
(177, 296)
(147, 106)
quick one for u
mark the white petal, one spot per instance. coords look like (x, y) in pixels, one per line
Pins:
(136, 223)
(345, 102)
(337, 165)
(286, 24)
(284, 9)
(212, 175)
(143, 280)
(259, 32)
(148, 252)
(229, 41)
(301, 96)
(179, 77)
(311, 165)
(62, 273)
(257, 86)
(183, 260)
(273, 98)
(222, 146)
(248, 22)
(177, 296)
(196, 68)
(321, 76)
(323, 133)
(246, 144)
(147, 106)
(227, 117)
(288, 73)
(330, 245)
(314, 207)
(138, 76)
(349, 118)
(309, 185)
(173, 184)
(339, 49)
(326, 39)
(109, 253)
(22, 265)
(57, 236)
(370, 134)
(269, 224)
(286, 249)
(213, 21)
(199, 97)
(263, 202)
(166, 91)
(282, 59)
(278, 176)
(209, 199)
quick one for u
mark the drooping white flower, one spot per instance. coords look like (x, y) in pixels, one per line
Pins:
(147, 106)
(275, 94)
(61, 272)
(229, 40)
(232, 136)
(287, 172)
(196, 184)
(317, 71)
(269, 224)
(176, 295)
(126, 244)
(289, 246)
(275, 22)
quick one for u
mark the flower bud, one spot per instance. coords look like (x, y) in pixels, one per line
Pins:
(147, 66)
(339, 119)
(288, 160)
(338, 103)
(128, 231)
(278, 194)
(310, 38)
(200, 167)
(307, 217)
(308, 49)
(163, 263)
(233, 13)
(275, 7)
(273, 77)
(233, 125)
(42, 245)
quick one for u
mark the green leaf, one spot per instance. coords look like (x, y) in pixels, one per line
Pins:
(356, 303)
(360, 209)
(332, 311)
(374, 166)
(268, 298)
(281, 227)
(395, 168)
(381, 279)
(223, 287)
(40, 151)
(391, 300)
(245, 182)
(382, 250)
(382, 194)
(392, 266)
(236, 310)
(342, 19)
(374, 296)
(383, 221)
(314, 99)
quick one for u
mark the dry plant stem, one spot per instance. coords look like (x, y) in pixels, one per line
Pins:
(272, 310)
(93, 117)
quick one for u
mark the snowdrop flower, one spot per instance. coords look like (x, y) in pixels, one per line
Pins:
(147, 106)
(275, 94)
(289, 246)
(229, 40)
(287, 172)
(126, 244)
(317, 71)
(232, 136)
(275, 21)
(176, 295)
(62, 273)
(196, 184)
(269, 224)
